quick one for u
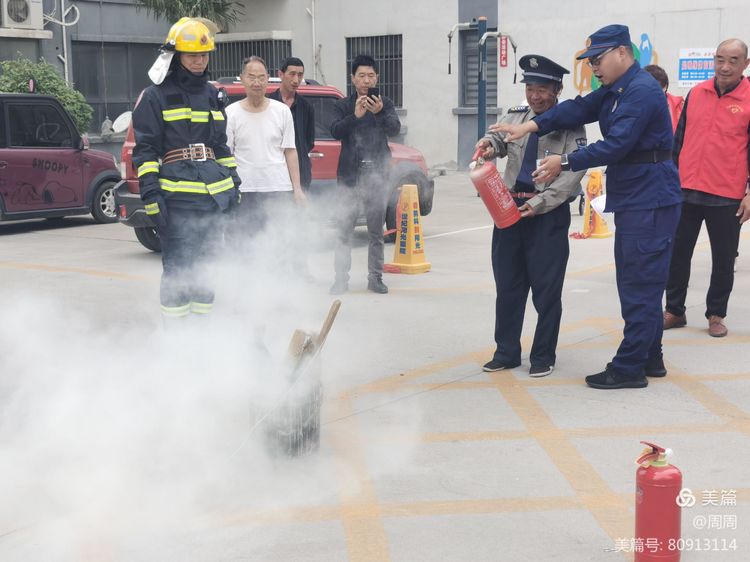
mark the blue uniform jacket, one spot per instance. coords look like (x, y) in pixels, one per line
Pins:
(633, 116)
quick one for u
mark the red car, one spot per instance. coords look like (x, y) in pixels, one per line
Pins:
(407, 166)
(46, 167)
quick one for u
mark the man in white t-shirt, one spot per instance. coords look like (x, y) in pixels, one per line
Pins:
(260, 134)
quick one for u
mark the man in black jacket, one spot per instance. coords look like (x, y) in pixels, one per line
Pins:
(363, 123)
(292, 73)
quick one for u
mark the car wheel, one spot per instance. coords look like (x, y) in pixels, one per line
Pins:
(148, 236)
(103, 205)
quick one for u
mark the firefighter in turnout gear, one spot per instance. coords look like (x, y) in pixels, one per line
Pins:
(187, 173)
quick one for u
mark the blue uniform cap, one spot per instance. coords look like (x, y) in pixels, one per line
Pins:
(606, 38)
(541, 70)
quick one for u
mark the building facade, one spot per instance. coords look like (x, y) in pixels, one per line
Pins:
(111, 46)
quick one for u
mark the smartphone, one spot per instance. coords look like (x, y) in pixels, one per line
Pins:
(373, 92)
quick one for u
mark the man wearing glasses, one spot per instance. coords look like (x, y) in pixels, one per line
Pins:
(643, 190)
(260, 131)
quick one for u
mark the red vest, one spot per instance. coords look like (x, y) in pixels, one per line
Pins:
(713, 158)
(675, 108)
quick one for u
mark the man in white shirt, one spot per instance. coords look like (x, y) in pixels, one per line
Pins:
(260, 133)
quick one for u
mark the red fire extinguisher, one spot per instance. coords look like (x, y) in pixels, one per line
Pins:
(657, 513)
(493, 191)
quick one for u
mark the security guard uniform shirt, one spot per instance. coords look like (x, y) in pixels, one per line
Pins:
(183, 110)
(566, 185)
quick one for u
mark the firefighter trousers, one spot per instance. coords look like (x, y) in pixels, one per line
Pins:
(189, 242)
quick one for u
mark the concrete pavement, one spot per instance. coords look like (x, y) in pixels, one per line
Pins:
(424, 456)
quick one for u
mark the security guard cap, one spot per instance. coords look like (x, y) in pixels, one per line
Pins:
(541, 70)
(606, 38)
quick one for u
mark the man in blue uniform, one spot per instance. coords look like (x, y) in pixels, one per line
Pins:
(643, 190)
(186, 171)
(533, 253)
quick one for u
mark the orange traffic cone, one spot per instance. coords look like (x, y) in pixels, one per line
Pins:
(408, 253)
(594, 226)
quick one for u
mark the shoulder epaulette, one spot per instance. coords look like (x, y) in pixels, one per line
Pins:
(519, 109)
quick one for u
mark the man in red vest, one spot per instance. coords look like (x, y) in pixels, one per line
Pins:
(675, 103)
(711, 150)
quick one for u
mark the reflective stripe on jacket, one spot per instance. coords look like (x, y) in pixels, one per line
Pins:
(183, 110)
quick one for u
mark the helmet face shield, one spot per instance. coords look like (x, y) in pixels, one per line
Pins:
(188, 35)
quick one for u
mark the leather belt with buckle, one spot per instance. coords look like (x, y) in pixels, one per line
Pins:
(197, 152)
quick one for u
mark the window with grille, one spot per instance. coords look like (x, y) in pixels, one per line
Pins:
(111, 76)
(227, 59)
(470, 69)
(387, 51)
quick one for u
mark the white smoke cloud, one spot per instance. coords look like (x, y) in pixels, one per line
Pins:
(123, 441)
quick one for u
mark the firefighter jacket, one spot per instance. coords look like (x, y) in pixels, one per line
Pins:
(184, 110)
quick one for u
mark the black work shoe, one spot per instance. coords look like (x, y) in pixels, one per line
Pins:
(540, 370)
(376, 285)
(655, 367)
(496, 365)
(610, 379)
(339, 287)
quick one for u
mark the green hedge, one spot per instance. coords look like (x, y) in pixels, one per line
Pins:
(15, 79)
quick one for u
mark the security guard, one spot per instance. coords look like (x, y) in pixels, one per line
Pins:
(643, 190)
(533, 253)
(186, 171)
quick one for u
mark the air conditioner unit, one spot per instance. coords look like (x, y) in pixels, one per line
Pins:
(22, 14)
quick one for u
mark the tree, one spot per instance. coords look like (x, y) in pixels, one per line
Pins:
(17, 73)
(222, 13)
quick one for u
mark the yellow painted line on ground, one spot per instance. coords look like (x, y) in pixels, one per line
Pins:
(605, 505)
(591, 270)
(405, 509)
(712, 400)
(287, 515)
(449, 290)
(432, 368)
(721, 377)
(636, 430)
(78, 270)
(360, 510)
(705, 339)
(605, 326)
(473, 436)
(580, 432)
(362, 515)
(475, 507)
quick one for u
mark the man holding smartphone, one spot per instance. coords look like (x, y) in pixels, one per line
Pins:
(363, 122)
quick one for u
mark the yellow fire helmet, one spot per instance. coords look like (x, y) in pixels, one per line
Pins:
(192, 35)
(188, 35)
